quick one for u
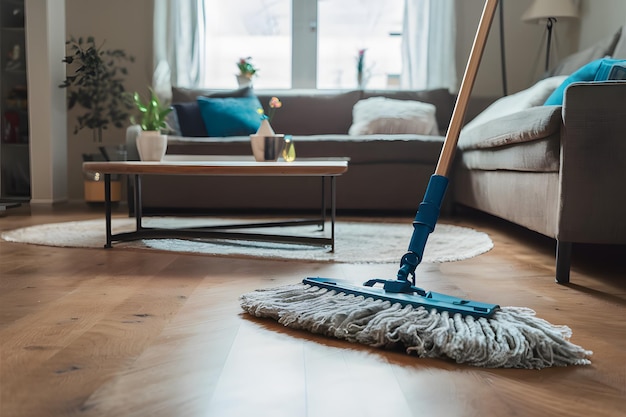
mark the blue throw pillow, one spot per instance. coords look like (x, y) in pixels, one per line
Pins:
(598, 70)
(230, 116)
(190, 123)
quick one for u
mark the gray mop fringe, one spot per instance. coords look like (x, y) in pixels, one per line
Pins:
(513, 338)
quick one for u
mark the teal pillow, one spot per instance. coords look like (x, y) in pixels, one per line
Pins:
(231, 116)
(598, 70)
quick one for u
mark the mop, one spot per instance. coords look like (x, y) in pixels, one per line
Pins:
(395, 313)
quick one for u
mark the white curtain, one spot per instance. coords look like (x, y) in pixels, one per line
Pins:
(428, 45)
(179, 48)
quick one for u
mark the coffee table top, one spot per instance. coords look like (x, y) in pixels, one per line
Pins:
(301, 167)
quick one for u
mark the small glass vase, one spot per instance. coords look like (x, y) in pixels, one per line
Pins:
(289, 151)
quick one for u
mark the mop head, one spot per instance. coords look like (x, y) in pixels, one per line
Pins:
(512, 338)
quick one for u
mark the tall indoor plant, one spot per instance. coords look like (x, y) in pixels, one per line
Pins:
(95, 84)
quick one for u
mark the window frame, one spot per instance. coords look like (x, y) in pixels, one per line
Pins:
(304, 44)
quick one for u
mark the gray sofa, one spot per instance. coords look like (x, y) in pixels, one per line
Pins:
(564, 179)
(557, 169)
(387, 172)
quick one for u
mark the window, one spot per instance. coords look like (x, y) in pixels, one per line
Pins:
(242, 28)
(304, 44)
(345, 27)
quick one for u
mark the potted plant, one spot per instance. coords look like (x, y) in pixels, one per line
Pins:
(151, 142)
(95, 84)
(247, 70)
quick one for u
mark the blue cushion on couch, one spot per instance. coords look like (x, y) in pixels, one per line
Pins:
(598, 70)
(230, 116)
(187, 111)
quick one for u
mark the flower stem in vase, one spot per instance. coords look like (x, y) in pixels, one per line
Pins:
(289, 151)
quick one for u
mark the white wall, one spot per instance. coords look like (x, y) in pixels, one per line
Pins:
(524, 46)
(600, 19)
(525, 43)
(124, 24)
(45, 28)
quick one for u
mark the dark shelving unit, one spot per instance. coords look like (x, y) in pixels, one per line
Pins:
(14, 135)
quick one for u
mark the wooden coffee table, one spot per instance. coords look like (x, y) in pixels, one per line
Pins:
(326, 169)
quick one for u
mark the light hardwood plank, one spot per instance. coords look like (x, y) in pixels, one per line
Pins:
(94, 332)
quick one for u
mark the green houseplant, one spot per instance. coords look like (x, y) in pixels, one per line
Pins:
(151, 142)
(247, 70)
(246, 67)
(95, 84)
(153, 113)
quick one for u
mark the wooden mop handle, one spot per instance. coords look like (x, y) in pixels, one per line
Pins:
(452, 136)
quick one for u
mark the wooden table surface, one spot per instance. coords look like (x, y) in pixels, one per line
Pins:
(222, 167)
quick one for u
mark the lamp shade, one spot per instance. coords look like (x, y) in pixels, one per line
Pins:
(541, 10)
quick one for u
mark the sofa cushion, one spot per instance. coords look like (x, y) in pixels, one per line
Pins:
(598, 70)
(232, 116)
(318, 112)
(185, 104)
(311, 112)
(528, 140)
(440, 98)
(381, 115)
(525, 99)
(620, 47)
(189, 119)
(171, 121)
(536, 156)
(599, 50)
(523, 126)
(366, 149)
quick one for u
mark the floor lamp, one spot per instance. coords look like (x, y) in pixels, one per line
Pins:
(548, 12)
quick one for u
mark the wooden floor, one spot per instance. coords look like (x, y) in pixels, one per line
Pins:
(120, 332)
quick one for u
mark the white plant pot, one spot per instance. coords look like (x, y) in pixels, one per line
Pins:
(151, 145)
(244, 81)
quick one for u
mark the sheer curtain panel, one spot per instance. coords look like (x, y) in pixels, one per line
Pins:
(428, 45)
(179, 45)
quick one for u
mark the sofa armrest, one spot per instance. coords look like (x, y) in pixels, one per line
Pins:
(593, 163)
(131, 142)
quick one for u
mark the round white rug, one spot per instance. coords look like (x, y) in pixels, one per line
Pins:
(355, 242)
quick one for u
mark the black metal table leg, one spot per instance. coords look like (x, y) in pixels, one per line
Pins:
(137, 198)
(223, 231)
(107, 208)
(323, 204)
(333, 208)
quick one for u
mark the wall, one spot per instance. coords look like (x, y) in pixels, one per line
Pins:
(121, 24)
(600, 19)
(45, 33)
(524, 46)
(525, 43)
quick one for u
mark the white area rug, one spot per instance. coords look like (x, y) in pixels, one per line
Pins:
(355, 242)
